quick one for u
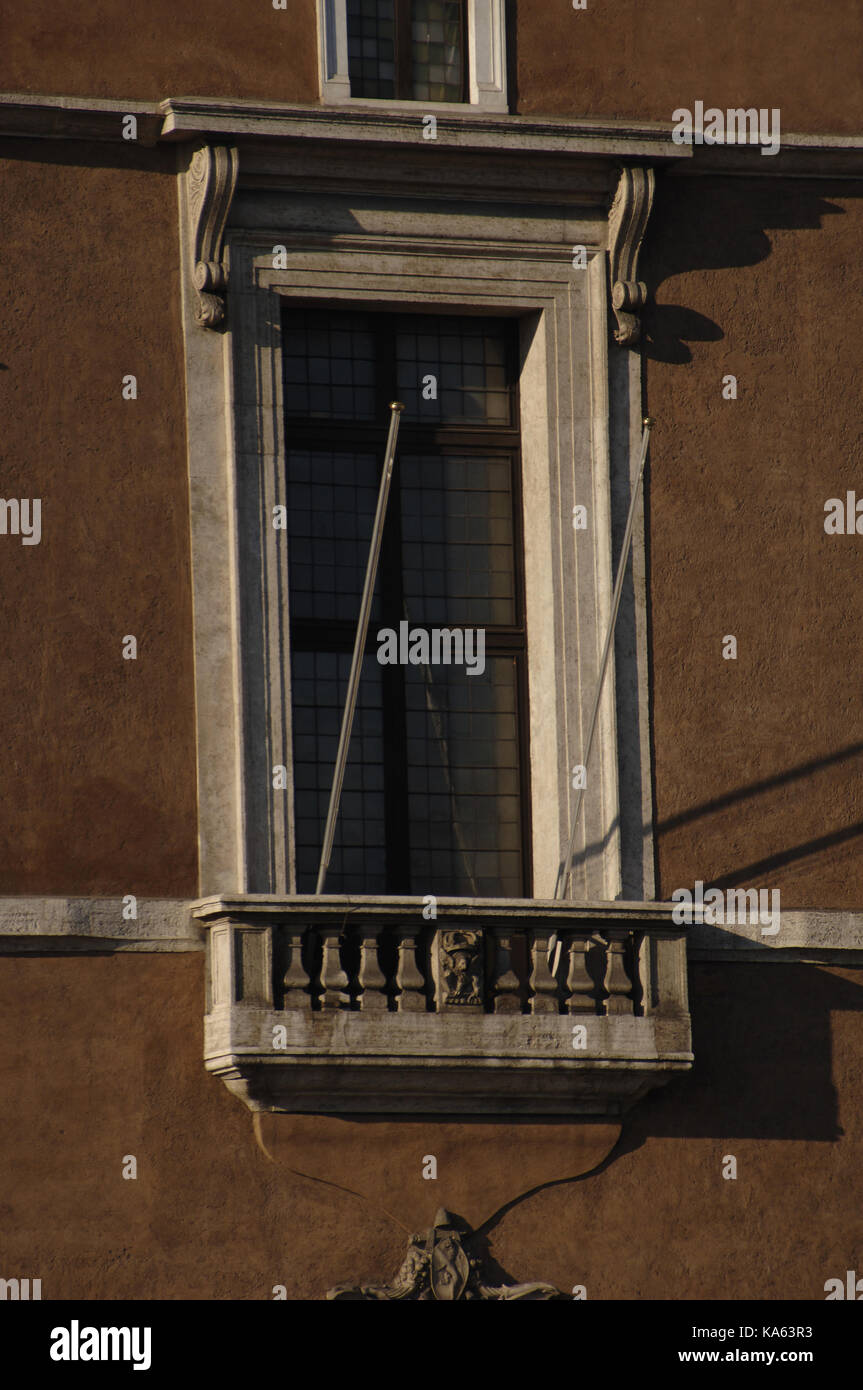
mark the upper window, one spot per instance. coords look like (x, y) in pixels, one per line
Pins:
(413, 49)
(431, 52)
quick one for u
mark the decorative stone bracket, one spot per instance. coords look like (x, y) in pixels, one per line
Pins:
(212, 179)
(627, 222)
(328, 1005)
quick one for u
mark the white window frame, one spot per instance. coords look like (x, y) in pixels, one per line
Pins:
(486, 28)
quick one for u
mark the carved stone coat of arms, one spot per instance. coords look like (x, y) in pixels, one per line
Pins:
(440, 1267)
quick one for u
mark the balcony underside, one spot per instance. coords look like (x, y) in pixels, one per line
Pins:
(445, 1068)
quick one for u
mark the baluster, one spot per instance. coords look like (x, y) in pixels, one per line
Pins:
(542, 982)
(373, 983)
(410, 985)
(506, 989)
(295, 979)
(617, 982)
(581, 990)
(334, 981)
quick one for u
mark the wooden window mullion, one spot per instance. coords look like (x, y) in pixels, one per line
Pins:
(465, 68)
(403, 46)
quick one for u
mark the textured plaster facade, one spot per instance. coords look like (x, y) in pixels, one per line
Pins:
(211, 1216)
(755, 763)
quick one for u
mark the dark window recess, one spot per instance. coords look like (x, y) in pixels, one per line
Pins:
(412, 50)
(435, 796)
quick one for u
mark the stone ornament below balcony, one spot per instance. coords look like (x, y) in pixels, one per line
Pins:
(440, 1267)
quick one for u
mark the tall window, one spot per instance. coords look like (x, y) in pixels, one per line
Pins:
(415, 50)
(435, 795)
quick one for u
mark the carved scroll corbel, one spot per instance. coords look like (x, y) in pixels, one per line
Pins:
(212, 179)
(627, 222)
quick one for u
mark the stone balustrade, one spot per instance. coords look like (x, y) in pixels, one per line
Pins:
(366, 966)
(516, 1006)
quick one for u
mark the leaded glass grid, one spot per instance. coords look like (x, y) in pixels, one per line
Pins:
(435, 796)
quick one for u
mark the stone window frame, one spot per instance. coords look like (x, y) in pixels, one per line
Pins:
(486, 37)
(569, 390)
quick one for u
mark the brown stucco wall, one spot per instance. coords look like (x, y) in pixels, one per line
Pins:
(642, 61)
(757, 761)
(97, 781)
(107, 48)
(629, 59)
(101, 1058)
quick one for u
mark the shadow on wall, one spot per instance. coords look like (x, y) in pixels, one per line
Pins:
(764, 1071)
(792, 854)
(721, 224)
(763, 1068)
(764, 1065)
(725, 229)
(789, 855)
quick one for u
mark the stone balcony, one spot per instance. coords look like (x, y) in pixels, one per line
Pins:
(340, 1005)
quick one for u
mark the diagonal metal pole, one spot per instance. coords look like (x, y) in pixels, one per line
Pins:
(566, 867)
(396, 408)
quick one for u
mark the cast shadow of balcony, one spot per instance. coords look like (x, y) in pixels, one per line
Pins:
(765, 1066)
(762, 1037)
(763, 1069)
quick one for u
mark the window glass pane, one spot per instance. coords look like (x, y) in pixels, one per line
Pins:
(319, 682)
(462, 762)
(437, 59)
(329, 365)
(432, 800)
(331, 501)
(457, 536)
(470, 363)
(463, 782)
(371, 48)
(457, 539)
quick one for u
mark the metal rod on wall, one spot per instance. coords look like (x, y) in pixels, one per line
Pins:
(396, 408)
(566, 867)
